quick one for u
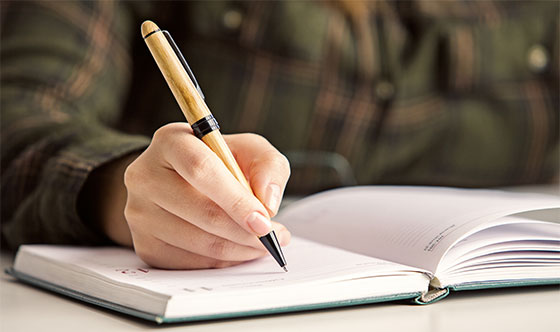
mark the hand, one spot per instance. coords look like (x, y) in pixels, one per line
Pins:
(185, 210)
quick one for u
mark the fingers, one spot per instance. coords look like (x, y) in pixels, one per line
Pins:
(202, 168)
(186, 210)
(172, 193)
(184, 235)
(267, 169)
(159, 254)
(177, 244)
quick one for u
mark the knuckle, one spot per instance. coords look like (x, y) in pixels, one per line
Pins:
(138, 214)
(276, 161)
(131, 214)
(163, 132)
(239, 204)
(139, 177)
(218, 248)
(198, 161)
(170, 135)
(257, 137)
(214, 215)
(131, 175)
(283, 163)
(200, 166)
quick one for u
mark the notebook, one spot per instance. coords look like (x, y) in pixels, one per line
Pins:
(351, 246)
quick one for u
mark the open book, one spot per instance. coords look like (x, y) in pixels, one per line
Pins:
(351, 246)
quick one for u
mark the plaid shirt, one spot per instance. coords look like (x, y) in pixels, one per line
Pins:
(443, 93)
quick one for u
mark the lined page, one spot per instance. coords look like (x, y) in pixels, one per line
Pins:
(410, 225)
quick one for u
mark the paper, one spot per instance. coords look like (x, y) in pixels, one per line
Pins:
(411, 225)
(308, 263)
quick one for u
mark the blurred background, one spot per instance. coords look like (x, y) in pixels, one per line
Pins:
(456, 93)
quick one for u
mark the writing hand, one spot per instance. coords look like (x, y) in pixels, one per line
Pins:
(185, 210)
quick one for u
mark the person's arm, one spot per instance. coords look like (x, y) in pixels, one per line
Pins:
(65, 170)
(65, 71)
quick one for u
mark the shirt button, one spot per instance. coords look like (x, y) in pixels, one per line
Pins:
(537, 58)
(384, 90)
(232, 19)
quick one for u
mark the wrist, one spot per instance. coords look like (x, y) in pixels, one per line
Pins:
(104, 198)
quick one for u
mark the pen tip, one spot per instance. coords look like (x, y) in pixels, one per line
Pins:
(285, 268)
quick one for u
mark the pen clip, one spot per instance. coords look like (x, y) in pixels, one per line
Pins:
(183, 61)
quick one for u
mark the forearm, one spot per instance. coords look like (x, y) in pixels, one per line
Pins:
(59, 96)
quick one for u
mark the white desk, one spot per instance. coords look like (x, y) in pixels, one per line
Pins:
(24, 308)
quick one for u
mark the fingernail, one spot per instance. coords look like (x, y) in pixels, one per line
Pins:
(259, 224)
(272, 197)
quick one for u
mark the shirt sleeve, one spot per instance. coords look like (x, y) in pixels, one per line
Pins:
(65, 72)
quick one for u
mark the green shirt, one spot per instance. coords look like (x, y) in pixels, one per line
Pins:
(424, 92)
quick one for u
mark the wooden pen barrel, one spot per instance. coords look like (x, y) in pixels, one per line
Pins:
(191, 103)
(184, 90)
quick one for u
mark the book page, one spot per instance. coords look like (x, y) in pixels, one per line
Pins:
(410, 225)
(517, 245)
(308, 262)
(525, 237)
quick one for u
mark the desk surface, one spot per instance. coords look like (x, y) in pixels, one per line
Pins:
(24, 308)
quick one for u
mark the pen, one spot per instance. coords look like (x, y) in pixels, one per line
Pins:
(190, 98)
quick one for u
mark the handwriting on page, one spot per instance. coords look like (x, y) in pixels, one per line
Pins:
(141, 274)
(132, 271)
